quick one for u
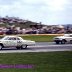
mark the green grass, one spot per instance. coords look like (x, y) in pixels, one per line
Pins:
(40, 38)
(44, 62)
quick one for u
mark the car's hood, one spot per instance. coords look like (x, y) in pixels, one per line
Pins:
(60, 37)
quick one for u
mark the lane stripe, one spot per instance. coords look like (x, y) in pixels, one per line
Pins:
(51, 45)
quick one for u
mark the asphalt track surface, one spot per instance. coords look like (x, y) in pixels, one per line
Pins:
(40, 47)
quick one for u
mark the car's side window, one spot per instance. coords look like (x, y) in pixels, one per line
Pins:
(12, 38)
(6, 38)
(18, 39)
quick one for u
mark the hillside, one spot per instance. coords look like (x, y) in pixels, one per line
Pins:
(6, 21)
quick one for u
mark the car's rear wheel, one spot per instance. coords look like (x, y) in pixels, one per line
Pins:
(57, 42)
(18, 47)
(23, 46)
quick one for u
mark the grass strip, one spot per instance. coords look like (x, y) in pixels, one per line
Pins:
(43, 62)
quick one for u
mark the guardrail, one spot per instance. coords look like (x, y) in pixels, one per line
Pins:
(35, 34)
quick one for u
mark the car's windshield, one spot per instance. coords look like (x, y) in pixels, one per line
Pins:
(66, 35)
(19, 38)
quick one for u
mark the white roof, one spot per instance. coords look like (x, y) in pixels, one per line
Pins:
(11, 36)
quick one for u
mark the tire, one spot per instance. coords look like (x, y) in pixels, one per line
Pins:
(23, 46)
(18, 47)
(57, 42)
(63, 42)
(71, 41)
(1, 46)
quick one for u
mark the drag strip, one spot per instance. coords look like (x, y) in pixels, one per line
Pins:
(40, 47)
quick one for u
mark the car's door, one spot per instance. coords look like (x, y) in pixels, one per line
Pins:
(19, 42)
(11, 41)
(69, 38)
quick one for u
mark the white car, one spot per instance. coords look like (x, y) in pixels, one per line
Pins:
(15, 41)
(63, 39)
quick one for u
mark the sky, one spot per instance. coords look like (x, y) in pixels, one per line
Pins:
(49, 12)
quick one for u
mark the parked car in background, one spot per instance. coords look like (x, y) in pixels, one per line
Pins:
(63, 39)
(15, 41)
(1, 32)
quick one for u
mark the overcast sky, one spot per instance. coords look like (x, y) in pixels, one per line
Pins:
(45, 11)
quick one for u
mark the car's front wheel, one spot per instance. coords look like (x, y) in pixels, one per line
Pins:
(63, 42)
(23, 46)
(1, 46)
(71, 41)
